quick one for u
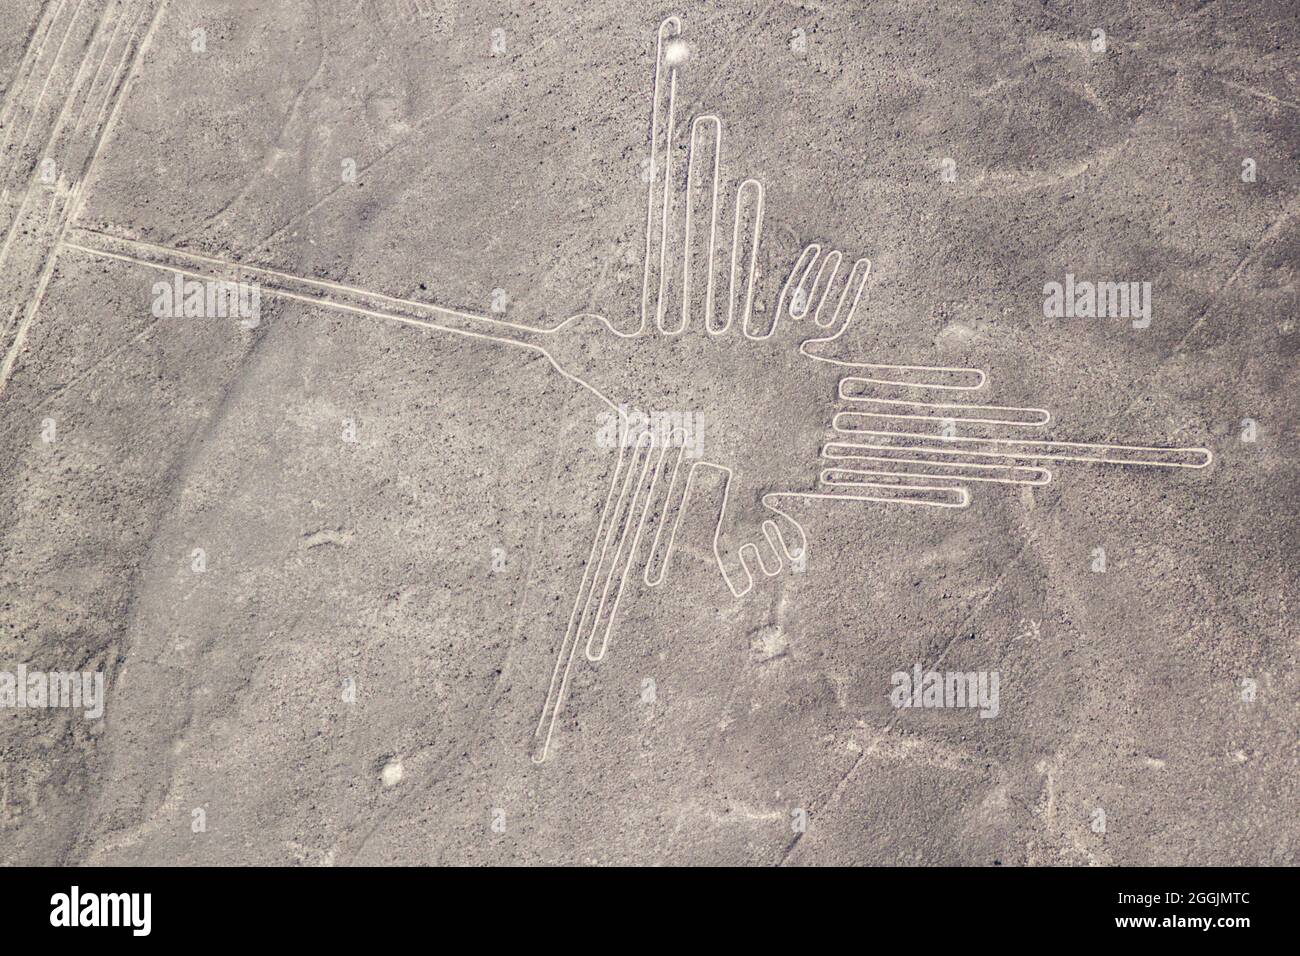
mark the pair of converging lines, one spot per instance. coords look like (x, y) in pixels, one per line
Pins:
(71, 147)
(880, 452)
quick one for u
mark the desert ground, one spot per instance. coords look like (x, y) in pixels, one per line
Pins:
(369, 582)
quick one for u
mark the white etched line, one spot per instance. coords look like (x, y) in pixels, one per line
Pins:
(677, 439)
(687, 245)
(750, 187)
(1035, 450)
(998, 474)
(560, 675)
(119, 20)
(973, 414)
(669, 28)
(27, 67)
(44, 151)
(623, 557)
(40, 98)
(127, 68)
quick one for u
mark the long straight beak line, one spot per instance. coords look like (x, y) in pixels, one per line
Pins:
(322, 292)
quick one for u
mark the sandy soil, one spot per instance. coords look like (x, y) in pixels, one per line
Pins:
(326, 560)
